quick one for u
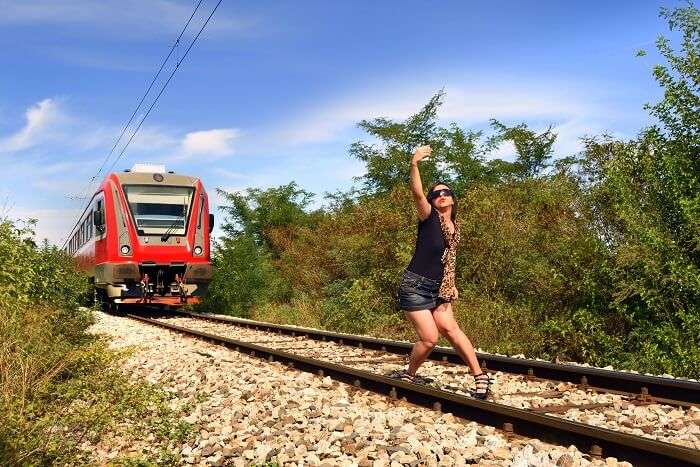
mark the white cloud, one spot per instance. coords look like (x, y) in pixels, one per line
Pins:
(213, 143)
(229, 173)
(479, 102)
(69, 135)
(39, 121)
(53, 224)
(504, 151)
(568, 142)
(467, 102)
(149, 139)
(49, 121)
(570, 132)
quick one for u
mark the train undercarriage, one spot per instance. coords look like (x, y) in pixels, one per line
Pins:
(166, 285)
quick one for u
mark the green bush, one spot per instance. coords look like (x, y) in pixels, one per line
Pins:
(59, 385)
(243, 278)
(595, 258)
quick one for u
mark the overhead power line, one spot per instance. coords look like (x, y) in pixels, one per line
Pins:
(143, 98)
(160, 93)
(165, 85)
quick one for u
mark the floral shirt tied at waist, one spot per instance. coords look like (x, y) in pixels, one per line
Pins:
(449, 260)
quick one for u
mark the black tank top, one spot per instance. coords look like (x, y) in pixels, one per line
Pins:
(430, 244)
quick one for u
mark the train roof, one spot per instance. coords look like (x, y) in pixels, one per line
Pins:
(155, 178)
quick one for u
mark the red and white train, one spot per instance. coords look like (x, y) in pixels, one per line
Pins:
(145, 238)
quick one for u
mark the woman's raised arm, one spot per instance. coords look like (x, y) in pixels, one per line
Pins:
(422, 204)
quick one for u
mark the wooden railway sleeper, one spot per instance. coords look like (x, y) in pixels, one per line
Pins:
(644, 396)
(566, 407)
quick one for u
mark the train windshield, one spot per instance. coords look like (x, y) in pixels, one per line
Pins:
(159, 209)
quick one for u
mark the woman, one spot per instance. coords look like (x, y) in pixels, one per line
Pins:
(428, 286)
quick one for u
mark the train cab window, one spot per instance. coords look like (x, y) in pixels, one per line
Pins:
(159, 210)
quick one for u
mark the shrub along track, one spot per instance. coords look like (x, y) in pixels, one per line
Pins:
(526, 410)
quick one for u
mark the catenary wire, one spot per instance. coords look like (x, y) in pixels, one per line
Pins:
(160, 93)
(165, 85)
(84, 192)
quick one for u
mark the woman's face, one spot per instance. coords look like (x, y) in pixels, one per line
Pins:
(442, 201)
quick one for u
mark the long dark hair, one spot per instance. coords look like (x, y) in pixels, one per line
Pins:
(453, 216)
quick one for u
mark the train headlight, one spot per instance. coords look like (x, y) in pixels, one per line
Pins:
(198, 250)
(125, 249)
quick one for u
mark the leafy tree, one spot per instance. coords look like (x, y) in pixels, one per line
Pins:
(243, 277)
(533, 150)
(677, 142)
(257, 211)
(457, 157)
(645, 195)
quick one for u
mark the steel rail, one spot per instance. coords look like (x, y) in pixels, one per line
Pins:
(598, 441)
(665, 389)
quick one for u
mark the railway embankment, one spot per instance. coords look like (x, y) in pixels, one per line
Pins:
(61, 389)
(243, 410)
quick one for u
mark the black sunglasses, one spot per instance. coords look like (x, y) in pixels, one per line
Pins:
(437, 193)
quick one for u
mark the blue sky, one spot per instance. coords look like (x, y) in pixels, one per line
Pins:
(273, 90)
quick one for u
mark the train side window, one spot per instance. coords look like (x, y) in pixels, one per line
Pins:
(98, 217)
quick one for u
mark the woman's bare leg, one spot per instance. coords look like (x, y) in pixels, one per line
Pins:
(427, 338)
(447, 326)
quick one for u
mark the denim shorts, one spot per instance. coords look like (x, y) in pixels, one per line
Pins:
(417, 292)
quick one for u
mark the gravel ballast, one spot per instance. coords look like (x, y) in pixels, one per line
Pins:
(661, 422)
(249, 411)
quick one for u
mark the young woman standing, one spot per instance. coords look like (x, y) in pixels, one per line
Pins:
(428, 286)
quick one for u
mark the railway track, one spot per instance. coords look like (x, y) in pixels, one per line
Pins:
(559, 411)
(672, 391)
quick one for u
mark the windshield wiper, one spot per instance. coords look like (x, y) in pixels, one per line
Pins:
(166, 235)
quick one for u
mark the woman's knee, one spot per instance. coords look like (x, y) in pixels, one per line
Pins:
(430, 340)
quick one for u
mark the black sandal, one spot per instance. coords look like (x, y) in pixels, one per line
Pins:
(402, 375)
(482, 384)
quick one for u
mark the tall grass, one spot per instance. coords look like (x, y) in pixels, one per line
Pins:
(60, 387)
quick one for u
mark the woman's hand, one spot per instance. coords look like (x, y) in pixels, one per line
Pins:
(421, 153)
(455, 292)
(422, 204)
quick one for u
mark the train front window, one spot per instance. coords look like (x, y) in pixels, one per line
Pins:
(159, 210)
